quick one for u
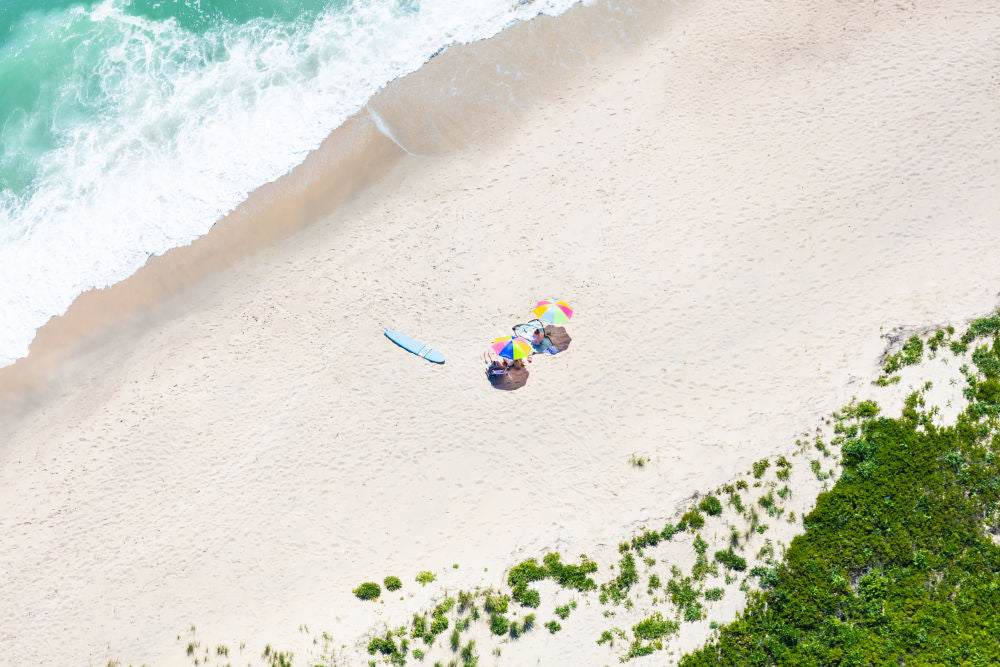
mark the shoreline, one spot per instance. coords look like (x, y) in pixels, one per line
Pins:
(365, 148)
(730, 198)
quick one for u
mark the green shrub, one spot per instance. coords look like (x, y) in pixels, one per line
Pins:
(571, 576)
(528, 598)
(647, 538)
(526, 572)
(553, 627)
(714, 594)
(760, 467)
(368, 591)
(654, 627)
(392, 583)
(692, 520)
(670, 530)
(496, 604)
(911, 354)
(426, 577)
(730, 560)
(637, 649)
(438, 625)
(499, 625)
(563, 612)
(711, 506)
(468, 655)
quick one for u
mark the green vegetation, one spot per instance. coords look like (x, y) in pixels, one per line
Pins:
(553, 627)
(730, 560)
(710, 505)
(784, 468)
(392, 583)
(760, 467)
(618, 588)
(368, 591)
(691, 520)
(425, 577)
(912, 352)
(898, 563)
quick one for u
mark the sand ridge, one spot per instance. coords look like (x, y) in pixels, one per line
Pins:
(733, 206)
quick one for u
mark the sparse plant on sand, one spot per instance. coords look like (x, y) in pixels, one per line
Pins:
(392, 583)
(711, 506)
(368, 591)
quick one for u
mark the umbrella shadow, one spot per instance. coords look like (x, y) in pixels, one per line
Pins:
(514, 379)
(560, 339)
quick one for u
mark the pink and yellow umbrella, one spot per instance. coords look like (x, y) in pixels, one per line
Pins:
(553, 312)
(512, 347)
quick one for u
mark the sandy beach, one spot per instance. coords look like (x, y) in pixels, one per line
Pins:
(738, 200)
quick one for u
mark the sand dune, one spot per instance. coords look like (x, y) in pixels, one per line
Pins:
(735, 197)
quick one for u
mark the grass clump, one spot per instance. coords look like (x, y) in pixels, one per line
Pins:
(654, 627)
(571, 576)
(368, 591)
(912, 352)
(425, 577)
(691, 520)
(730, 560)
(499, 624)
(618, 588)
(710, 505)
(553, 627)
(638, 461)
(685, 597)
(392, 583)
(760, 467)
(784, 468)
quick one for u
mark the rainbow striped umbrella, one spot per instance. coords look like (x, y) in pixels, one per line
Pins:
(553, 312)
(512, 347)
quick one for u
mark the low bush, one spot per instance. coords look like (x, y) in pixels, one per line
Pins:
(711, 506)
(730, 560)
(368, 591)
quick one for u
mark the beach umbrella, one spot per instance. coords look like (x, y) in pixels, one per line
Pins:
(553, 312)
(512, 347)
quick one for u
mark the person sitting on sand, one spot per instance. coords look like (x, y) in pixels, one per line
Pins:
(538, 340)
(494, 364)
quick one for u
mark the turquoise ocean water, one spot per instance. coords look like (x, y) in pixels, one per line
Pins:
(128, 127)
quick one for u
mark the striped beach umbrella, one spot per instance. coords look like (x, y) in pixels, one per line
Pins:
(512, 347)
(553, 312)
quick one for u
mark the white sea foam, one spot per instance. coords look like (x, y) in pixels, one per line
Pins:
(190, 124)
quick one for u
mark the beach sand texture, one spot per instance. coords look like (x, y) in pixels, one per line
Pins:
(735, 197)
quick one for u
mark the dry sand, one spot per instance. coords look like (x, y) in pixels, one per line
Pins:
(734, 196)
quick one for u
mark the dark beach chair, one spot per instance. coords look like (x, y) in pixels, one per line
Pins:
(496, 370)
